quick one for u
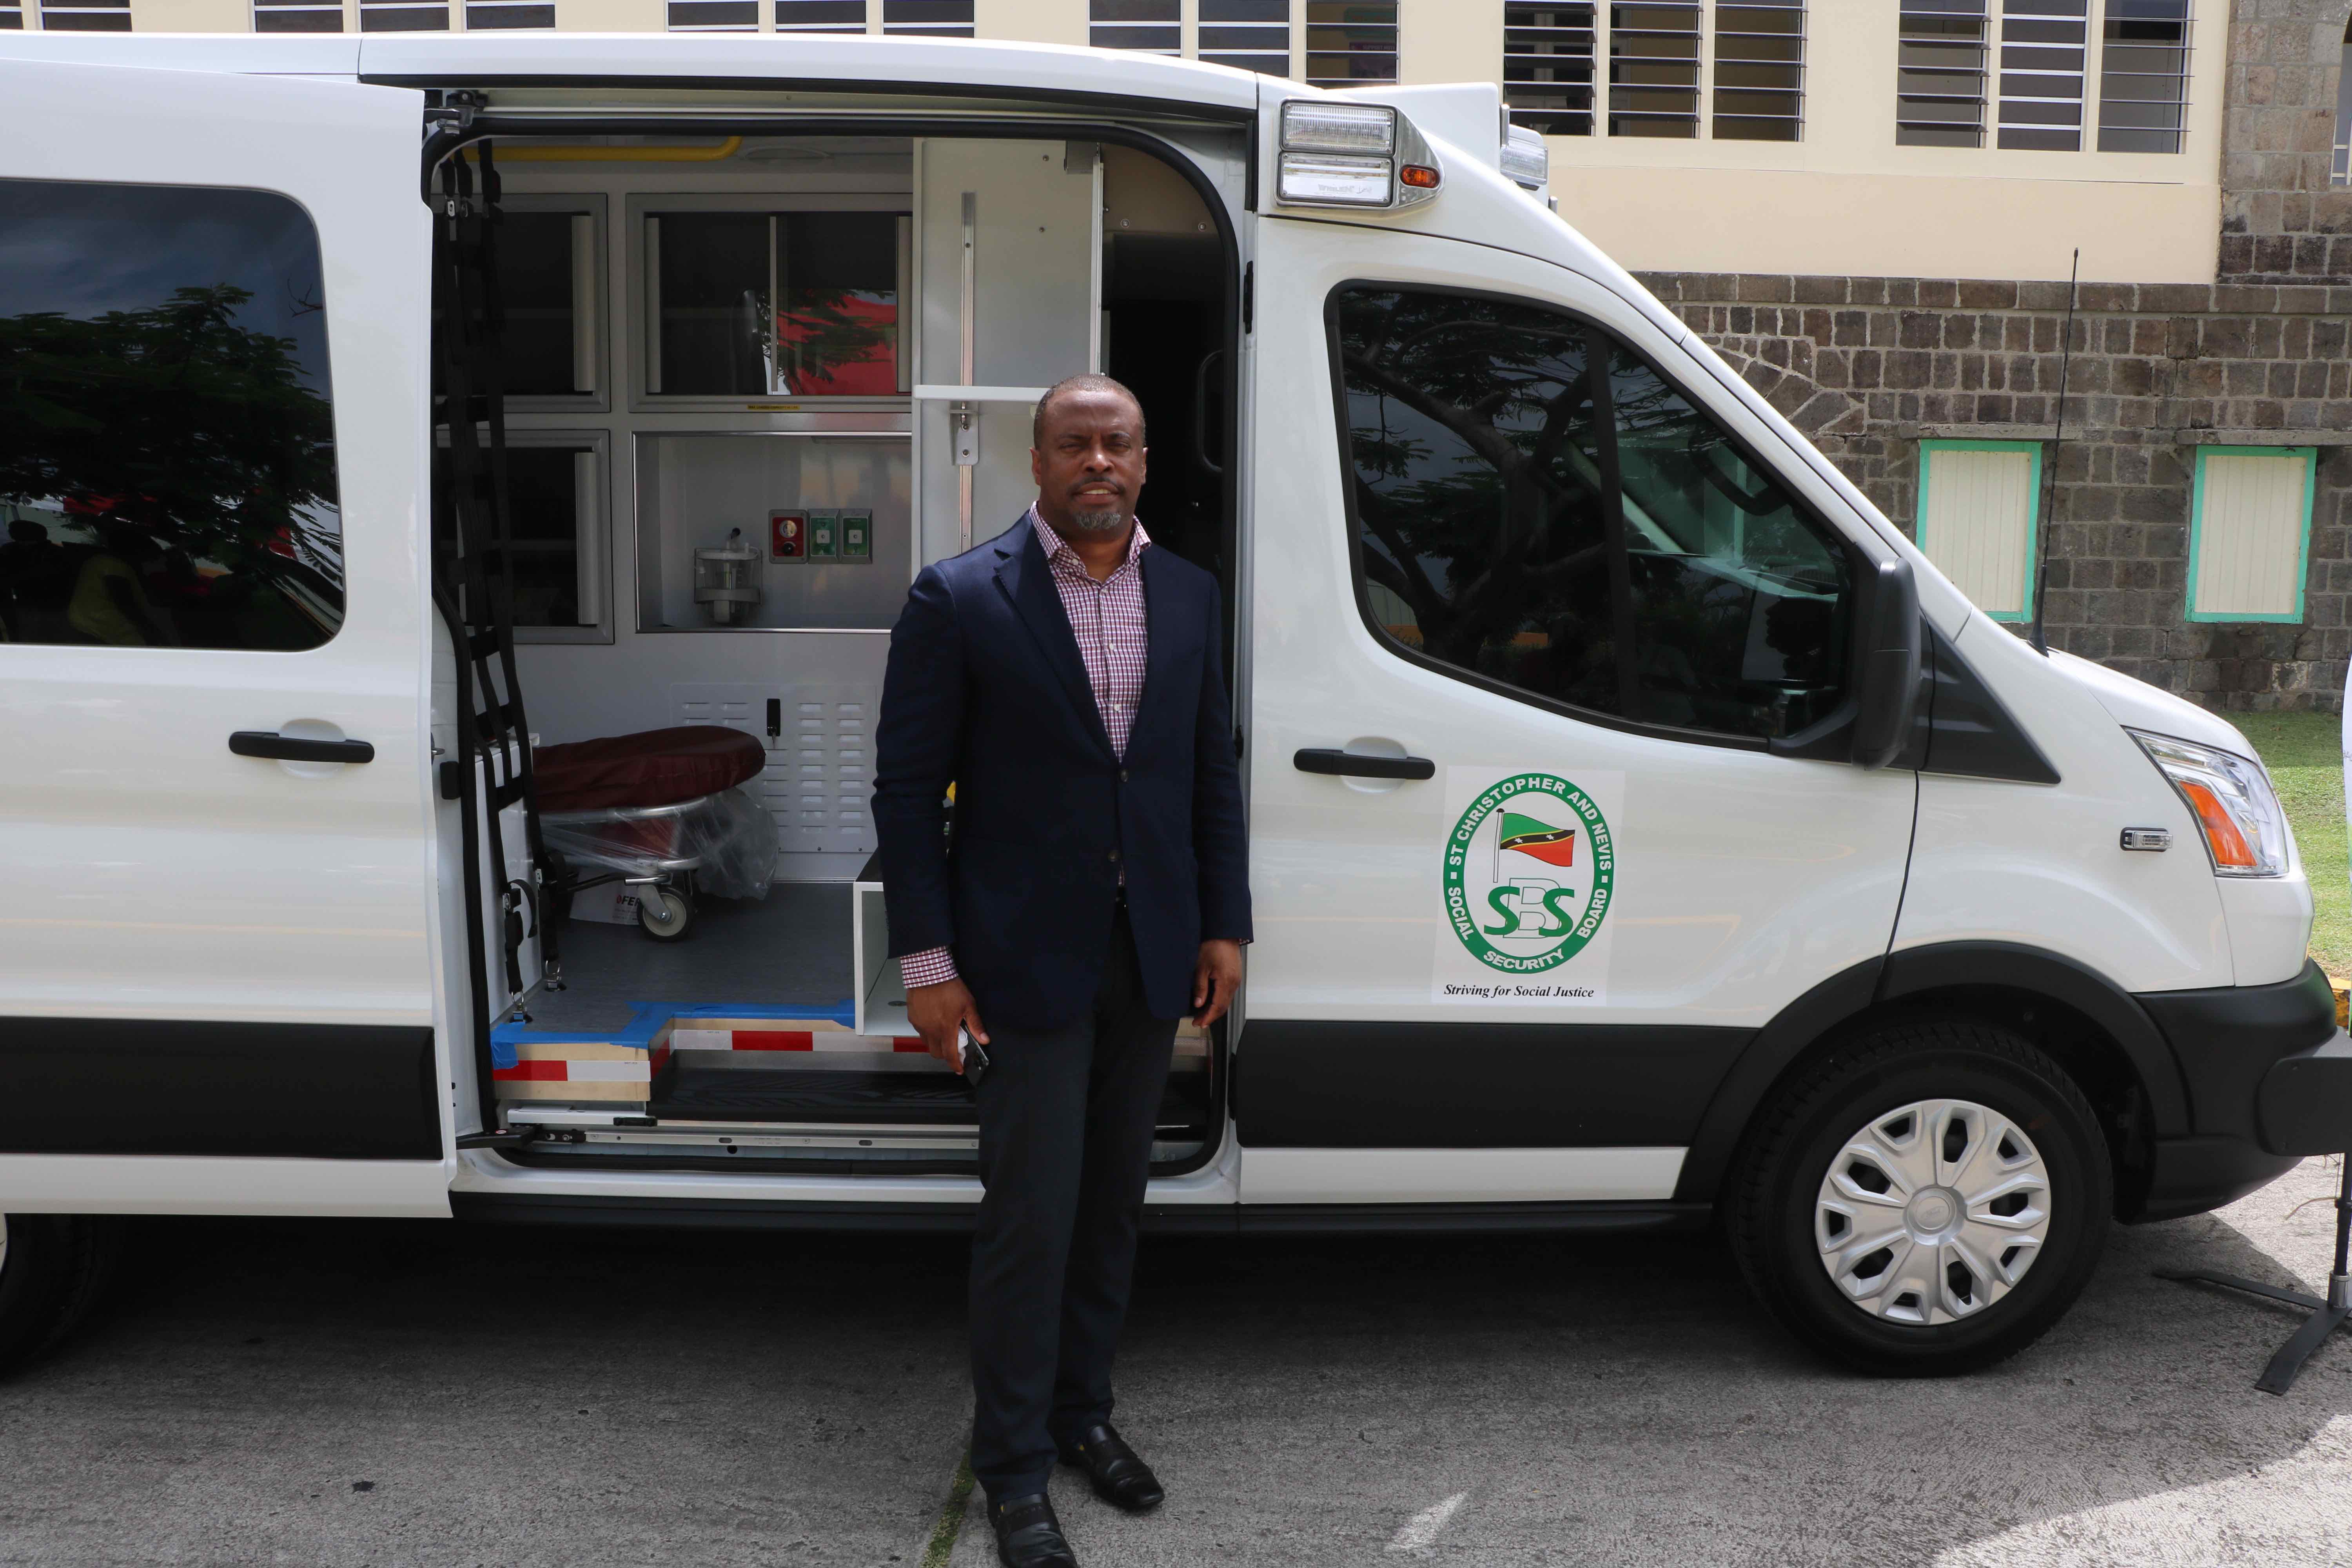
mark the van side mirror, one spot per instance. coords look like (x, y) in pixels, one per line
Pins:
(1887, 675)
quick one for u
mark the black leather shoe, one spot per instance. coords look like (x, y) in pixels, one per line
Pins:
(1028, 1536)
(1120, 1475)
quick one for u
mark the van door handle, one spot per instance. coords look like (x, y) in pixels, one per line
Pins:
(293, 749)
(1357, 764)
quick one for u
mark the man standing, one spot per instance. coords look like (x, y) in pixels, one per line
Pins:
(1065, 678)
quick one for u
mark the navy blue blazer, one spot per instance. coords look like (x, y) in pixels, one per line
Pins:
(986, 690)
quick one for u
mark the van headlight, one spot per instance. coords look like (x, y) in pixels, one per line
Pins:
(2231, 796)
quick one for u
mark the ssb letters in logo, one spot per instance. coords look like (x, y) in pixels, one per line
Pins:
(1528, 869)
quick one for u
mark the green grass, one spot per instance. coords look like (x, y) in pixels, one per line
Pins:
(2304, 753)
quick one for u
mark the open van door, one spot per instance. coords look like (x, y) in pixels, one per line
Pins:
(1556, 790)
(216, 990)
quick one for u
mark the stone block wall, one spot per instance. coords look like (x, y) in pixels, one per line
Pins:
(2282, 221)
(1867, 367)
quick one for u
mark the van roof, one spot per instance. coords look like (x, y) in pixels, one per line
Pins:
(952, 67)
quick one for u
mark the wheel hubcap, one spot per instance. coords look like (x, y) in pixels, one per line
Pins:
(1932, 1212)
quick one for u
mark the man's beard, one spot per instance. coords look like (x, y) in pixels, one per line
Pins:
(1108, 521)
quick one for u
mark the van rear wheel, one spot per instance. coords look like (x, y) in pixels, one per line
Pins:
(51, 1270)
(1927, 1201)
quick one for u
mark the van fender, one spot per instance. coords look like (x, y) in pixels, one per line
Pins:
(2010, 968)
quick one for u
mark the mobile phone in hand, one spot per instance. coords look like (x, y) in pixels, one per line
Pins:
(975, 1057)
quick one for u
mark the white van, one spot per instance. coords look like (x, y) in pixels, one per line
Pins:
(1641, 830)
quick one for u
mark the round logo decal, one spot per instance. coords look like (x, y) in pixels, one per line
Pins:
(1527, 874)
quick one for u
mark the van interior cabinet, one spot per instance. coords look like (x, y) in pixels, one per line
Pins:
(751, 385)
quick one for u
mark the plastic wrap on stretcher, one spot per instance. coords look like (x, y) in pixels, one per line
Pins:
(729, 840)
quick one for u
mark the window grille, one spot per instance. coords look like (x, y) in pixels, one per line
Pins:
(1253, 34)
(1153, 25)
(509, 16)
(1548, 68)
(2143, 76)
(1760, 70)
(294, 17)
(1351, 43)
(87, 17)
(1939, 74)
(1653, 50)
(711, 15)
(405, 17)
(820, 15)
(928, 19)
(2041, 46)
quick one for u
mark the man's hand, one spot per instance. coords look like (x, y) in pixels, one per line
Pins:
(1214, 979)
(936, 1011)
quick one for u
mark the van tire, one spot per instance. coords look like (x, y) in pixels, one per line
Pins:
(1779, 1193)
(53, 1271)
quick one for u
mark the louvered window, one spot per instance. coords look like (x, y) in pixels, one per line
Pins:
(2041, 45)
(1548, 68)
(1252, 35)
(820, 15)
(1653, 53)
(928, 19)
(508, 15)
(2143, 76)
(1154, 25)
(1760, 70)
(1939, 74)
(12, 17)
(295, 17)
(1351, 43)
(407, 17)
(87, 17)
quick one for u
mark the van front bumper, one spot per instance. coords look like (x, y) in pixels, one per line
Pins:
(2268, 1076)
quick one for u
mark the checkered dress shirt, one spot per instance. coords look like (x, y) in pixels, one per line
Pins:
(1108, 620)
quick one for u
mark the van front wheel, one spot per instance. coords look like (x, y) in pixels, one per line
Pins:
(51, 1270)
(1927, 1201)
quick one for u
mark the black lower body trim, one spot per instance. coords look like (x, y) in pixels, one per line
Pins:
(2195, 1175)
(1315, 1085)
(137, 1086)
(1472, 1218)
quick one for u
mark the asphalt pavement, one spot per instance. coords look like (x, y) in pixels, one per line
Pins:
(267, 1392)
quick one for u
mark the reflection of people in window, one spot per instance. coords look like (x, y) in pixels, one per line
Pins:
(36, 576)
(109, 605)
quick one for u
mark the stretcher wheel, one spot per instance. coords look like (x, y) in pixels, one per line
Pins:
(666, 913)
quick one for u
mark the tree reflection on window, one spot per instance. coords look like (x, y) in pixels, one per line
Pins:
(167, 468)
(1492, 474)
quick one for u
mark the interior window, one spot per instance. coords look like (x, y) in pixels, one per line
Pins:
(539, 274)
(804, 304)
(555, 519)
(167, 458)
(1524, 518)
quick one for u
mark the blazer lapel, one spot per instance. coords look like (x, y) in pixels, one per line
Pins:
(1028, 583)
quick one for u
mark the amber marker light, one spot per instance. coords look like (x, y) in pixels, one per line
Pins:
(1420, 176)
(2221, 835)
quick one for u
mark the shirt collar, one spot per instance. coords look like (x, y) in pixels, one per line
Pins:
(1058, 551)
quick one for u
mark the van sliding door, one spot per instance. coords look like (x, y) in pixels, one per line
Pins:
(216, 993)
(1010, 242)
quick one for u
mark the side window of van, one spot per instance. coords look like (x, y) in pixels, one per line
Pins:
(167, 458)
(1536, 506)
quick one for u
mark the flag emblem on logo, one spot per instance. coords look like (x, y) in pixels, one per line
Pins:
(1552, 846)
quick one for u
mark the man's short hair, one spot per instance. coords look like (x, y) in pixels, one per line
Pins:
(1088, 381)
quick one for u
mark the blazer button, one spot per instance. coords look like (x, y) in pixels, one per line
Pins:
(1114, 854)
(1122, 775)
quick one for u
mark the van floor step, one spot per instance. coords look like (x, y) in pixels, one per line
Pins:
(689, 1093)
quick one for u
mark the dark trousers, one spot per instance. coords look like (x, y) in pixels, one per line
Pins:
(1066, 1124)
